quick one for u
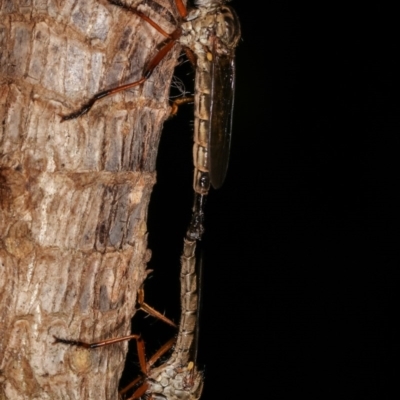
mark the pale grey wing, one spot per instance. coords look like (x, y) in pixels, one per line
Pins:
(221, 111)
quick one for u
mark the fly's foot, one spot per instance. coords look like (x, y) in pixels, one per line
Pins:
(178, 102)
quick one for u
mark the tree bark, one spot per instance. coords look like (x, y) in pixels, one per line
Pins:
(73, 195)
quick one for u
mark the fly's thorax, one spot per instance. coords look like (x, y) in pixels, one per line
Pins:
(175, 382)
(202, 104)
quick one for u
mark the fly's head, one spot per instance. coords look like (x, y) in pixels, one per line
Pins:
(227, 29)
(170, 382)
(211, 27)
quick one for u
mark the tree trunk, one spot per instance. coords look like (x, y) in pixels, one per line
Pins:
(73, 195)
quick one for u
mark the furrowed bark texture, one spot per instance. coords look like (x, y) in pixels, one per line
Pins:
(73, 195)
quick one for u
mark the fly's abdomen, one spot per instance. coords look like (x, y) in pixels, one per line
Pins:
(202, 103)
(187, 325)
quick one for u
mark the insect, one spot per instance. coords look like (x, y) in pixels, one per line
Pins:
(177, 378)
(209, 33)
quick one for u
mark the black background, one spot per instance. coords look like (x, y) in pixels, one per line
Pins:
(301, 247)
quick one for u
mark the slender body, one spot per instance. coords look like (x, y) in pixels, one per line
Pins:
(178, 378)
(211, 32)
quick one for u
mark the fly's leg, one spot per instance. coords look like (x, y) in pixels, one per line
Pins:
(146, 75)
(178, 102)
(107, 342)
(144, 365)
(181, 8)
(157, 355)
(141, 305)
(95, 345)
(167, 47)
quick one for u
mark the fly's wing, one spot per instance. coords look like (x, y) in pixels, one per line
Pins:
(221, 110)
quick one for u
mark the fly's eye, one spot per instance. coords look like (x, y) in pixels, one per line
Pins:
(232, 26)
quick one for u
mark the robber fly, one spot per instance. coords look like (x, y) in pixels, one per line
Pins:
(209, 33)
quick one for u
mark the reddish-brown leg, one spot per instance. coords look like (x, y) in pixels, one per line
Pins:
(144, 366)
(169, 44)
(147, 72)
(94, 345)
(178, 102)
(181, 8)
(139, 391)
(150, 310)
(160, 352)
